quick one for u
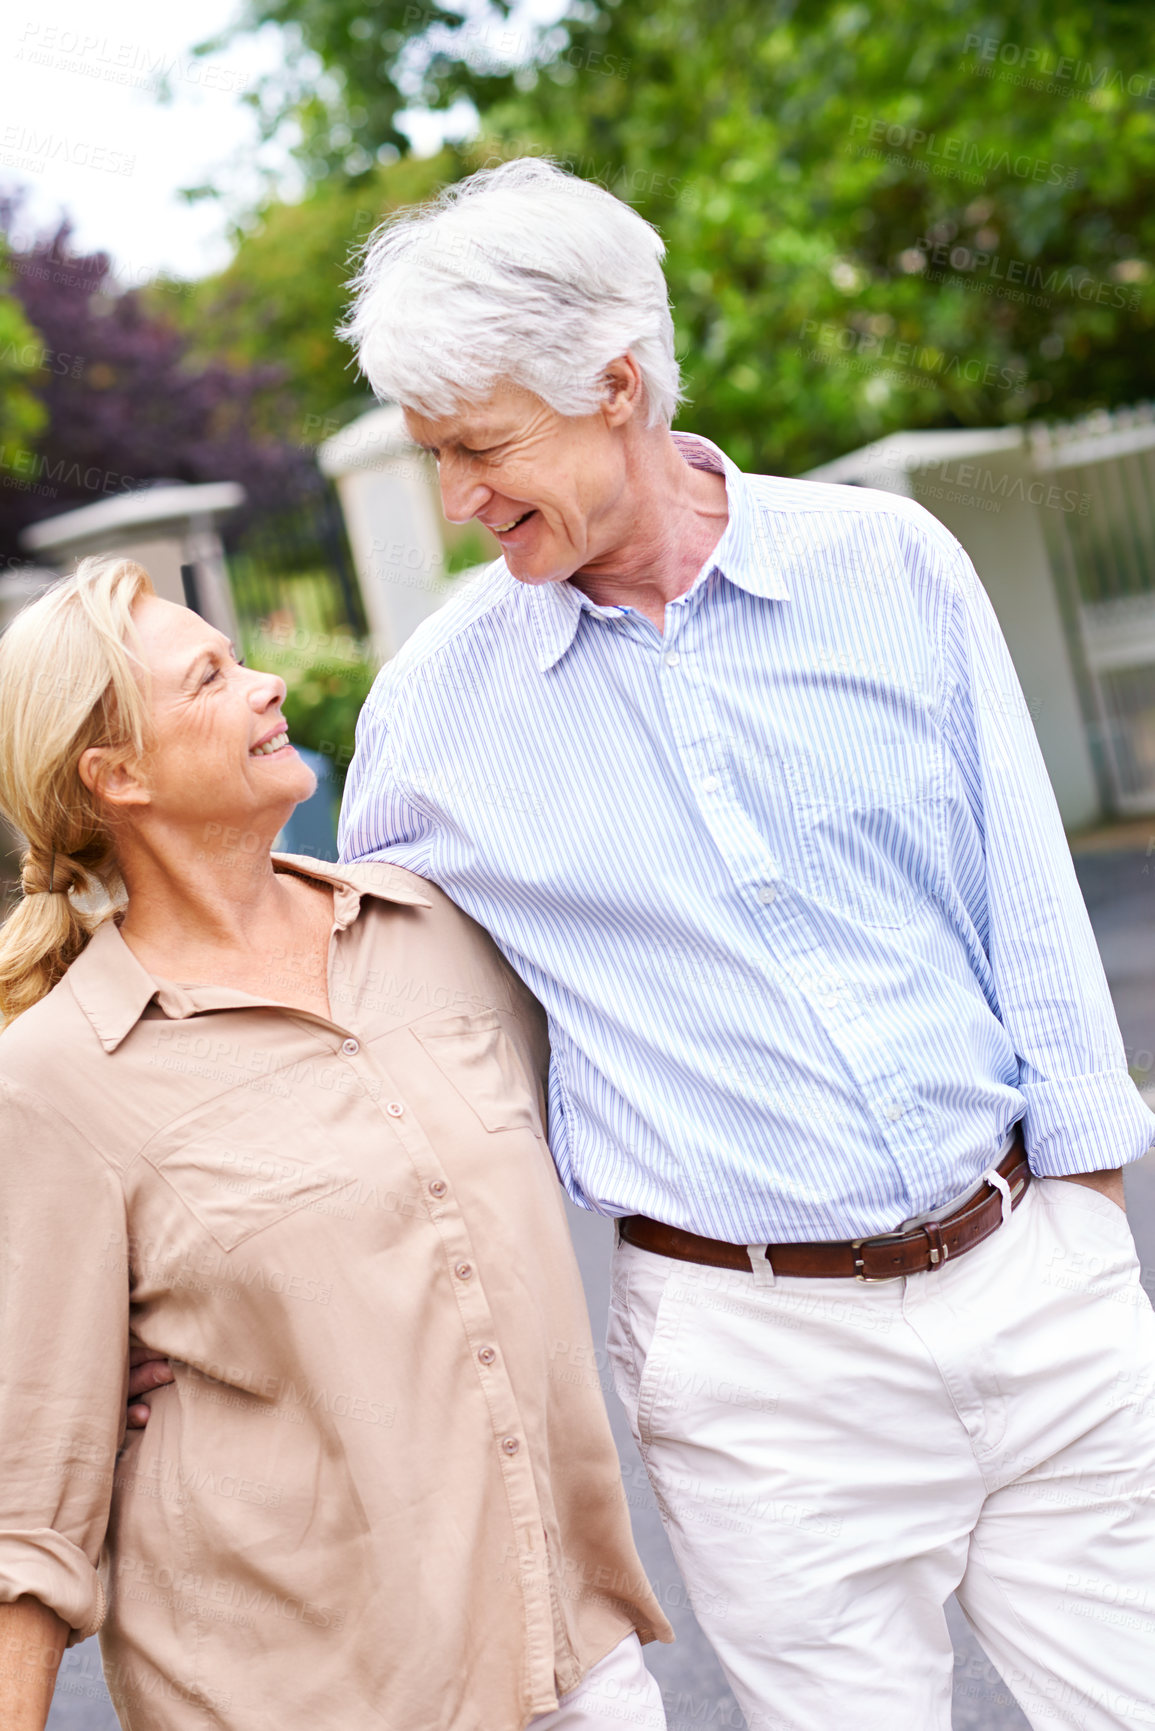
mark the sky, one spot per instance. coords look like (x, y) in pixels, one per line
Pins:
(82, 131)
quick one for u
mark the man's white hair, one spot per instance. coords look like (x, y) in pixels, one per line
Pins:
(521, 273)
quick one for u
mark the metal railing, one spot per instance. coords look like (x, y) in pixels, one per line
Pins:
(295, 566)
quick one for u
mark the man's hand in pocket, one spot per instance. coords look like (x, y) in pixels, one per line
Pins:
(1108, 1183)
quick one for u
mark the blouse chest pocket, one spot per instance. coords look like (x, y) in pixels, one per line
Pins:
(238, 1167)
(478, 1058)
(868, 837)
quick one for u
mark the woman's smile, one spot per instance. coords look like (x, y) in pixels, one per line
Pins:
(272, 744)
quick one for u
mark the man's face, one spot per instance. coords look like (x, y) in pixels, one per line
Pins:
(552, 488)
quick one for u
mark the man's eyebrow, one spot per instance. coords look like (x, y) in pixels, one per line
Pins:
(479, 439)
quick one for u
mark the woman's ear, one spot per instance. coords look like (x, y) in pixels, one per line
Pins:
(111, 778)
(622, 384)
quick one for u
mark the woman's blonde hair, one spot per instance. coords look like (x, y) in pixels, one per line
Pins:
(70, 678)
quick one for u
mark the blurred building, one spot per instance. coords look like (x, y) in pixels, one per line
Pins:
(405, 552)
(172, 529)
(1060, 524)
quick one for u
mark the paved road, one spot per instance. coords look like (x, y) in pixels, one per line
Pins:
(1120, 893)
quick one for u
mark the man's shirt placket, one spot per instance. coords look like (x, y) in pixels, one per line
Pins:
(788, 925)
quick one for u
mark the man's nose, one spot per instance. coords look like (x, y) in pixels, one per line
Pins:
(463, 492)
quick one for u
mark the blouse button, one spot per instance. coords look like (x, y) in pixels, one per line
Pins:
(395, 1108)
(487, 1355)
(463, 1270)
(510, 1444)
(350, 1048)
(438, 1187)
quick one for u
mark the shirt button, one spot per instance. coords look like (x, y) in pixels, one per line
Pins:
(894, 1112)
(438, 1187)
(672, 659)
(510, 1444)
(350, 1048)
(463, 1270)
(766, 894)
(487, 1355)
(711, 784)
(395, 1108)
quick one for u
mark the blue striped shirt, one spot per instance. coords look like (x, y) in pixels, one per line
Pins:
(789, 879)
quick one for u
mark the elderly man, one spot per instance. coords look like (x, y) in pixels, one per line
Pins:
(737, 772)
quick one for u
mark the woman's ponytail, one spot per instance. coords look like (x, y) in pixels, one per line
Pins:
(69, 680)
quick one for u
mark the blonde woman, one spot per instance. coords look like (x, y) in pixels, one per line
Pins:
(281, 1123)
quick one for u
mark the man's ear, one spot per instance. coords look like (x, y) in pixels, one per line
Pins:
(624, 392)
(111, 778)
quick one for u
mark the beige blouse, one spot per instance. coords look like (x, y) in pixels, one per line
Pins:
(382, 1490)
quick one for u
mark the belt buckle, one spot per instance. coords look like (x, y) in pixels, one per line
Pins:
(856, 1244)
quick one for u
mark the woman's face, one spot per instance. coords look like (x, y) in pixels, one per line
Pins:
(221, 761)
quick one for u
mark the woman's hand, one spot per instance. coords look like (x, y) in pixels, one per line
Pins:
(145, 1373)
(31, 1642)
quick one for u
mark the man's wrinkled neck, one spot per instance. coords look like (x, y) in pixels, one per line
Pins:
(677, 514)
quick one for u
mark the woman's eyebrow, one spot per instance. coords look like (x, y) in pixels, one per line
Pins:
(202, 658)
(192, 671)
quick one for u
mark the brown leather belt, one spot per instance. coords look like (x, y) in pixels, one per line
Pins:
(888, 1256)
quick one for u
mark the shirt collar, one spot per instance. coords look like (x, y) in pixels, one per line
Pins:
(113, 988)
(744, 556)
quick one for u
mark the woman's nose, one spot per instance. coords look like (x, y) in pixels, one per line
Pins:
(267, 690)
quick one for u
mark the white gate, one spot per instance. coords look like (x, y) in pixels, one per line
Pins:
(1103, 557)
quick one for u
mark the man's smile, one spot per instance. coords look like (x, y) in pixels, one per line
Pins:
(514, 523)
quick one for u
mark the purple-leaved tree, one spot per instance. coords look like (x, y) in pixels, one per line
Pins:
(126, 402)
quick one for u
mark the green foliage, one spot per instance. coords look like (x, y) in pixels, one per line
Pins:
(468, 546)
(327, 672)
(876, 218)
(837, 276)
(327, 679)
(25, 362)
(375, 62)
(280, 299)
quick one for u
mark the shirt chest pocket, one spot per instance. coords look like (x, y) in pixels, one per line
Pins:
(241, 1166)
(478, 1058)
(869, 837)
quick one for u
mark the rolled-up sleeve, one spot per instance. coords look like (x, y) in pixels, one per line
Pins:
(1083, 1113)
(64, 1358)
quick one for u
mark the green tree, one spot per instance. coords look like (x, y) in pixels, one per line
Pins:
(875, 219)
(280, 299)
(24, 360)
(377, 59)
